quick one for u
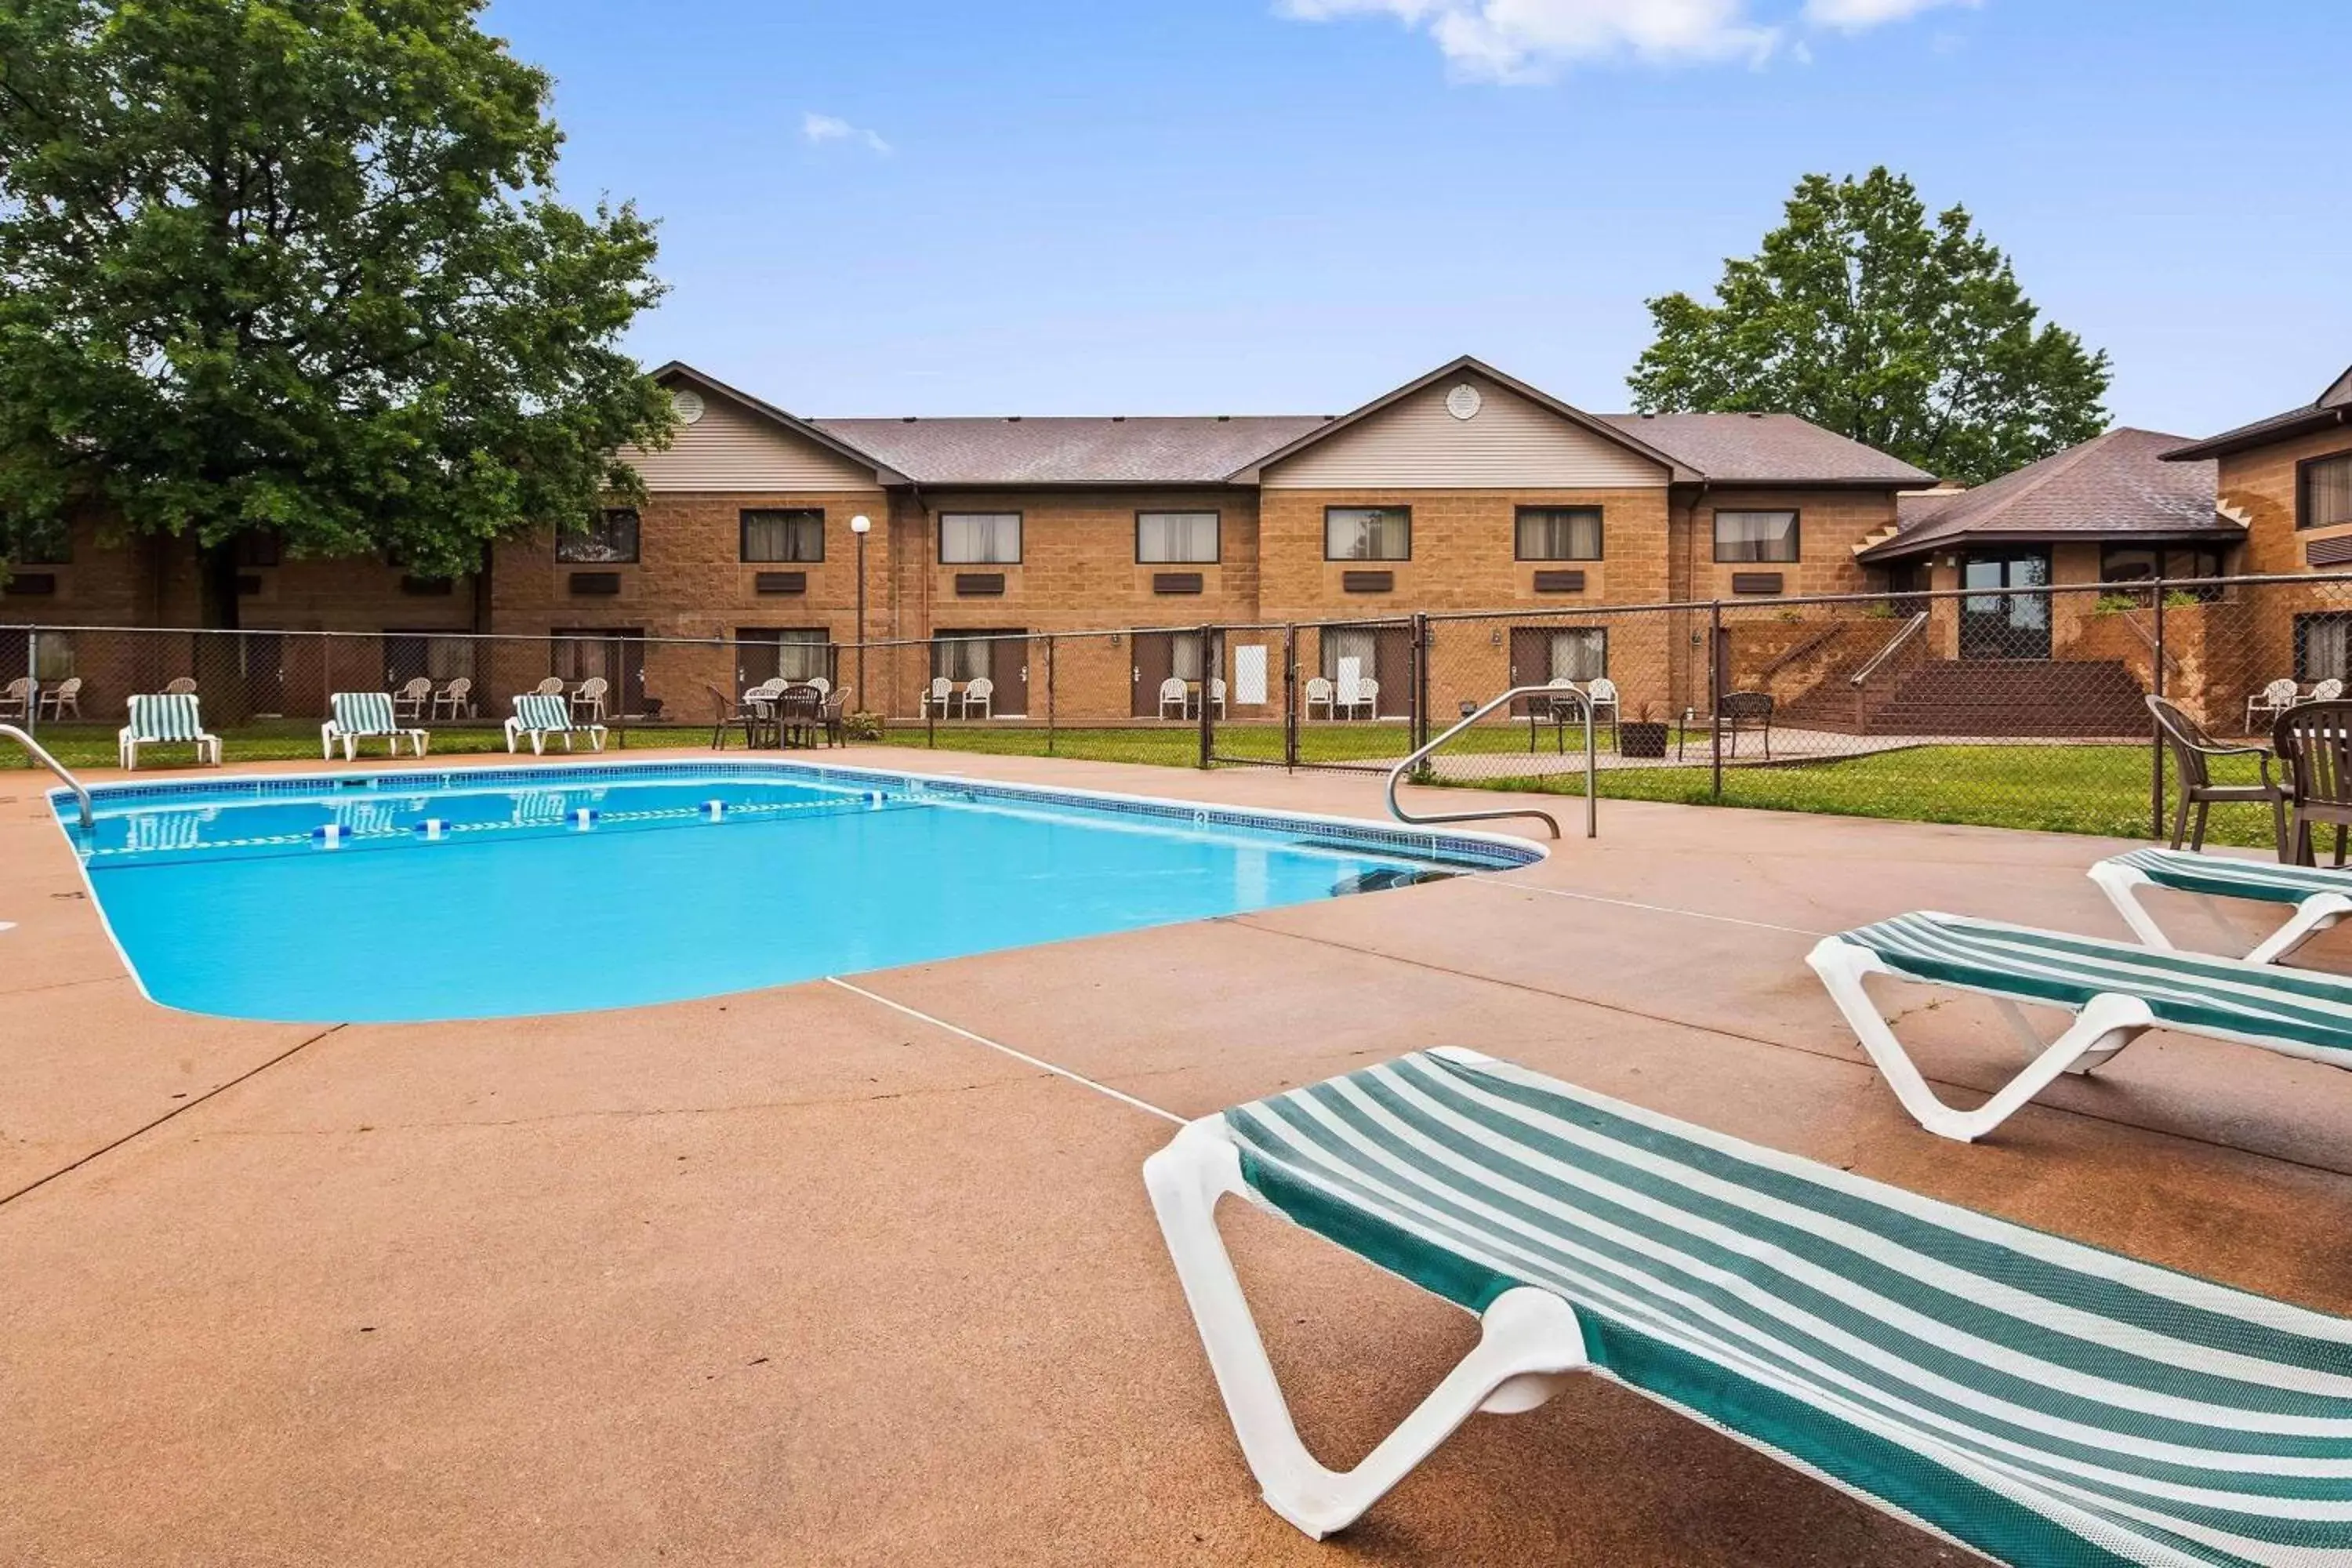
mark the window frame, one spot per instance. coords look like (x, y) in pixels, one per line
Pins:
(33, 550)
(603, 514)
(2302, 471)
(1405, 510)
(1020, 538)
(1216, 517)
(2301, 629)
(743, 516)
(1796, 516)
(1600, 532)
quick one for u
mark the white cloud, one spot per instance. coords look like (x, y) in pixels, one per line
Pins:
(1854, 15)
(819, 129)
(1529, 40)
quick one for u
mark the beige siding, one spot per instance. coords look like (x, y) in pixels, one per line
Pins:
(733, 448)
(1509, 444)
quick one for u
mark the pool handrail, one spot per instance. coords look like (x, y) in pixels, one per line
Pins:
(1591, 766)
(40, 755)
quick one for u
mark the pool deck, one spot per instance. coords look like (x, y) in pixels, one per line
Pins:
(812, 1276)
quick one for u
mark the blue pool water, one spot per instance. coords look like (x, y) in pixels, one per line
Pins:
(400, 897)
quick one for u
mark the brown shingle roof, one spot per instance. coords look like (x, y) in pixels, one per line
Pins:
(2333, 407)
(2114, 486)
(1197, 450)
(1765, 449)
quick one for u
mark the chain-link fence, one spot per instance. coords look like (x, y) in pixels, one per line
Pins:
(2018, 706)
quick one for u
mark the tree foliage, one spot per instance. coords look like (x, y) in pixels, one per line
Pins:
(299, 266)
(1863, 316)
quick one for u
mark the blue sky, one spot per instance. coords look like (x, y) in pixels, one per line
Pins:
(1046, 206)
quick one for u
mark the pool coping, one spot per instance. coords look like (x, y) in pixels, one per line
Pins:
(1469, 850)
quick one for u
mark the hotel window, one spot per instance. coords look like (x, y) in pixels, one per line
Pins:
(795, 536)
(782, 653)
(608, 538)
(2323, 645)
(48, 543)
(1173, 538)
(1367, 534)
(2141, 563)
(1559, 533)
(260, 547)
(53, 656)
(1756, 536)
(2323, 492)
(1580, 653)
(980, 538)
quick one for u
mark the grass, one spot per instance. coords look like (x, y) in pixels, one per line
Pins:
(2058, 789)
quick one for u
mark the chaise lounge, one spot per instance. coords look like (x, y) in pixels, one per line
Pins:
(2033, 1399)
(165, 718)
(539, 714)
(366, 716)
(2320, 897)
(2117, 990)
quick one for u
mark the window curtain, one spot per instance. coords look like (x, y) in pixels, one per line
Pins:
(980, 538)
(1162, 537)
(1560, 535)
(1580, 655)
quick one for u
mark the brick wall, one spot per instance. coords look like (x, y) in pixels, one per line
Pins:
(2260, 487)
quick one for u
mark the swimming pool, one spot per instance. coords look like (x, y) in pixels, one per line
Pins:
(505, 891)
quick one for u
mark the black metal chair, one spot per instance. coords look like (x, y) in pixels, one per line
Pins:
(2313, 740)
(2193, 748)
(1736, 712)
(727, 713)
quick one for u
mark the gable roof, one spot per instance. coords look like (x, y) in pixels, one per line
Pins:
(1766, 449)
(1196, 450)
(2333, 407)
(1248, 472)
(679, 370)
(2114, 485)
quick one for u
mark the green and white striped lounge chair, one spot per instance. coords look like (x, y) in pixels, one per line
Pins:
(2320, 896)
(2117, 990)
(160, 719)
(2030, 1398)
(366, 716)
(539, 714)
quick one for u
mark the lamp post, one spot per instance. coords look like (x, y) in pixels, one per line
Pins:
(861, 525)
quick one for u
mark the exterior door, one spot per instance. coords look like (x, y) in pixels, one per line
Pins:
(1155, 661)
(1531, 660)
(261, 657)
(1996, 624)
(1008, 667)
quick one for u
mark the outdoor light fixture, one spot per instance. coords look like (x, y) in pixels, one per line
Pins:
(861, 525)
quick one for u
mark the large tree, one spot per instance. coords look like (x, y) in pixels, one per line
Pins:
(1864, 316)
(299, 266)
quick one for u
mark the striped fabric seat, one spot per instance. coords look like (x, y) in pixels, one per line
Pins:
(2209, 995)
(2322, 896)
(543, 711)
(165, 716)
(2037, 1400)
(368, 713)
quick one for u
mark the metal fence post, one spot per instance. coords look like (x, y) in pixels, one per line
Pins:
(1290, 696)
(1419, 723)
(2156, 726)
(32, 669)
(1210, 664)
(1050, 698)
(1715, 691)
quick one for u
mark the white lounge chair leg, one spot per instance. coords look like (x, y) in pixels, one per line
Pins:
(327, 742)
(2106, 1026)
(1530, 1343)
(2122, 885)
(2311, 916)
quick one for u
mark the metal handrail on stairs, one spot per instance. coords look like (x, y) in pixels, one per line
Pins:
(40, 755)
(1912, 628)
(1591, 767)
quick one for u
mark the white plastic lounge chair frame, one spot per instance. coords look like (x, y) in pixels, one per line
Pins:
(2020, 1394)
(539, 714)
(2320, 897)
(2117, 990)
(170, 718)
(366, 716)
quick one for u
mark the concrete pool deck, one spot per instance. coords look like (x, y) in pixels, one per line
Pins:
(802, 1276)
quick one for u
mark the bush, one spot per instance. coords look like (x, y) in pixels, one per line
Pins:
(2118, 605)
(861, 727)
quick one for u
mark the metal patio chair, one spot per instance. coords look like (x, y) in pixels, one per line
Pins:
(2314, 742)
(1738, 713)
(2193, 750)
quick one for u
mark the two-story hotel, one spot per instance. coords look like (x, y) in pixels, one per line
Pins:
(1463, 489)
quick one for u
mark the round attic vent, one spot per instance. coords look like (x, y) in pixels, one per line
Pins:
(1464, 401)
(689, 405)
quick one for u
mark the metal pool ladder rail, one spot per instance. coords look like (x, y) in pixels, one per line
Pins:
(1591, 766)
(82, 794)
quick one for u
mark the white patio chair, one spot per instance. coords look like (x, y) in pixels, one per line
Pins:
(1318, 692)
(180, 686)
(2267, 704)
(63, 700)
(408, 702)
(16, 698)
(1172, 693)
(590, 696)
(2328, 690)
(1368, 697)
(551, 686)
(1603, 693)
(824, 686)
(455, 701)
(980, 690)
(941, 697)
(1217, 695)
